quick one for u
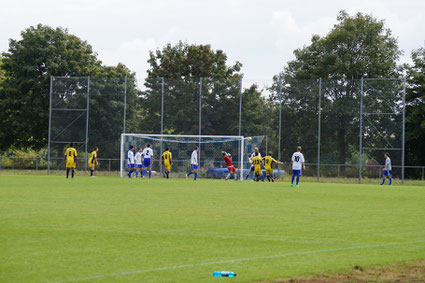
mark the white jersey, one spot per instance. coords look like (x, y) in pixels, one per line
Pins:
(194, 158)
(138, 157)
(130, 157)
(147, 153)
(297, 160)
(388, 163)
(253, 155)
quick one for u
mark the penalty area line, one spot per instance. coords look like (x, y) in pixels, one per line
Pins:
(132, 272)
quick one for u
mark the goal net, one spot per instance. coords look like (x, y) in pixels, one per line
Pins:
(210, 158)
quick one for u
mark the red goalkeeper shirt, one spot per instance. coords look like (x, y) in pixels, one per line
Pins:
(228, 161)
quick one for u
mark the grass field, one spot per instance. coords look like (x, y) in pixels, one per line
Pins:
(109, 229)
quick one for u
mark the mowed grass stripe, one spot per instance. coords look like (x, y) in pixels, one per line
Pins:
(54, 229)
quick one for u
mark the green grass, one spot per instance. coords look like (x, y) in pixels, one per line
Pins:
(109, 229)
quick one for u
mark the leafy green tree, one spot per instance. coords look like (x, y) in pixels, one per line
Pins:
(42, 52)
(182, 66)
(357, 47)
(415, 112)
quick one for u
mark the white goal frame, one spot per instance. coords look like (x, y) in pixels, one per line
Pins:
(199, 137)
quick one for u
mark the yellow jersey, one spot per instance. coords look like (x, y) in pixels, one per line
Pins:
(93, 157)
(256, 161)
(268, 162)
(70, 154)
(167, 157)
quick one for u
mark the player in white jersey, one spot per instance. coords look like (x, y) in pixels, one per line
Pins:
(147, 155)
(387, 169)
(250, 157)
(297, 164)
(139, 159)
(194, 164)
(130, 161)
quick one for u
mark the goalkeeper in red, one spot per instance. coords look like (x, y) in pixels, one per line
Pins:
(232, 170)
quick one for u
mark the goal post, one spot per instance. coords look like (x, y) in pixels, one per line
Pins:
(210, 158)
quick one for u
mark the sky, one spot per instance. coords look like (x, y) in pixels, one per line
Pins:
(262, 35)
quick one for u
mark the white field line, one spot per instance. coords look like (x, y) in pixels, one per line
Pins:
(132, 272)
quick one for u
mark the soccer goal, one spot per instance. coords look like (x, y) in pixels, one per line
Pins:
(210, 158)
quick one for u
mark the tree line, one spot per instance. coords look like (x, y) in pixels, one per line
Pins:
(358, 46)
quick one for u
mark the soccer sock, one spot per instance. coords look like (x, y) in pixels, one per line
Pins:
(383, 180)
(292, 181)
(262, 177)
(167, 173)
(137, 173)
(143, 172)
(67, 173)
(196, 175)
(150, 173)
(228, 176)
(188, 174)
(391, 180)
(268, 177)
(72, 173)
(298, 179)
(91, 172)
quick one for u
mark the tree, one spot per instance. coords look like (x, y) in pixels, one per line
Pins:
(415, 112)
(182, 66)
(357, 47)
(42, 52)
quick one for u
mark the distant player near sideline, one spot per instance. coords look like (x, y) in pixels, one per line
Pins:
(70, 159)
(250, 157)
(297, 164)
(130, 161)
(147, 155)
(93, 161)
(139, 162)
(256, 162)
(229, 164)
(268, 163)
(387, 169)
(194, 163)
(168, 161)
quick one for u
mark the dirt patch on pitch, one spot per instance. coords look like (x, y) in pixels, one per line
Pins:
(412, 271)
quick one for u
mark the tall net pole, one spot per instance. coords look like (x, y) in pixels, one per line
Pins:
(403, 131)
(280, 117)
(361, 132)
(125, 102)
(200, 123)
(318, 129)
(87, 122)
(162, 118)
(50, 124)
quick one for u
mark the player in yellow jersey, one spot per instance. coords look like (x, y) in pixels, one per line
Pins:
(257, 162)
(70, 159)
(168, 161)
(268, 163)
(93, 160)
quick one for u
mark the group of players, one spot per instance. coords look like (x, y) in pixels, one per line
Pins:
(142, 162)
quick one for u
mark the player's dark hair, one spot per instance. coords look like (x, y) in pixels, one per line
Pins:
(196, 147)
(71, 144)
(131, 146)
(148, 145)
(387, 154)
(167, 149)
(270, 153)
(96, 148)
(256, 154)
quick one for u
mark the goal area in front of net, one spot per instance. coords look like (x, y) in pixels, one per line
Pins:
(210, 157)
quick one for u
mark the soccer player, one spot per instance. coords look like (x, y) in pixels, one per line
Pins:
(268, 163)
(194, 163)
(297, 163)
(93, 161)
(130, 158)
(230, 167)
(147, 155)
(250, 161)
(168, 161)
(139, 165)
(387, 169)
(256, 162)
(70, 159)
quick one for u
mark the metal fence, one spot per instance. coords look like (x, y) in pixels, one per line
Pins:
(345, 123)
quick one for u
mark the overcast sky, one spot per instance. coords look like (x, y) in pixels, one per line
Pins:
(260, 34)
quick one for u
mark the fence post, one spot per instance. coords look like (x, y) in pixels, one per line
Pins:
(87, 122)
(50, 124)
(125, 102)
(361, 131)
(403, 130)
(109, 165)
(280, 117)
(36, 163)
(380, 171)
(423, 171)
(1, 159)
(162, 118)
(200, 123)
(318, 129)
(338, 170)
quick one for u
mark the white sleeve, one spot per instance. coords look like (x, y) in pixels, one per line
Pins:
(302, 158)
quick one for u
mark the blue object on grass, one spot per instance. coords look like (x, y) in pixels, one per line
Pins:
(224, 274)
